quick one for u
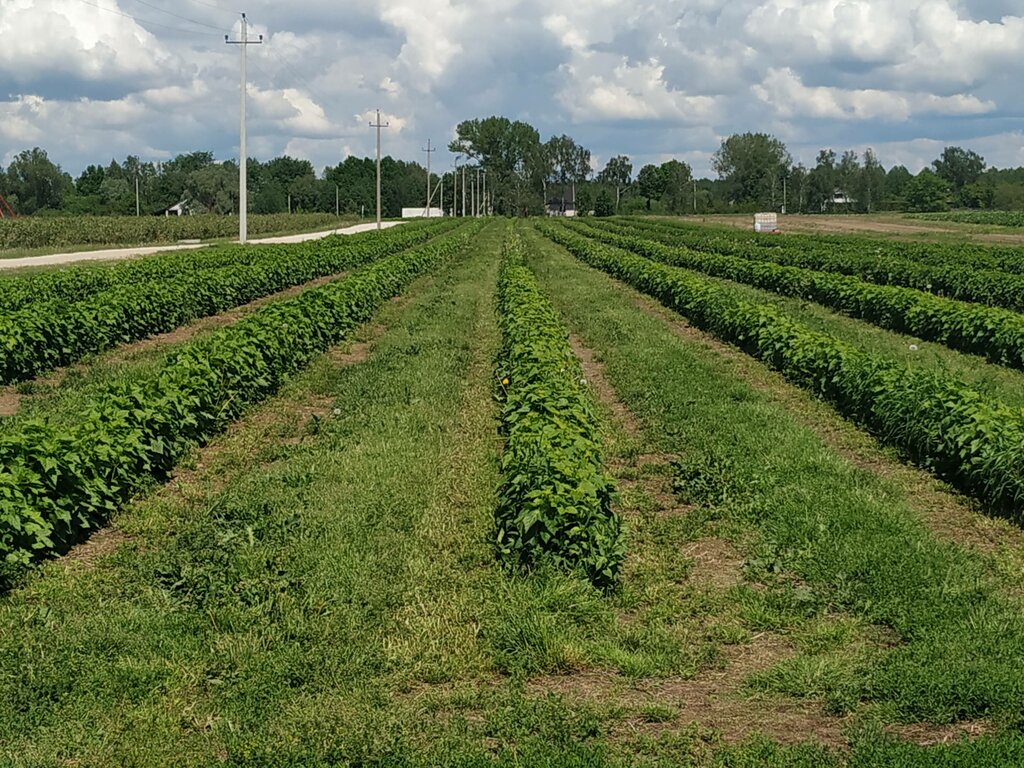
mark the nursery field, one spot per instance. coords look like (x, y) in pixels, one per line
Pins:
(604, 492)
(32, 235)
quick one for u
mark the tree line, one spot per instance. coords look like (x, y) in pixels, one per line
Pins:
(523, 175)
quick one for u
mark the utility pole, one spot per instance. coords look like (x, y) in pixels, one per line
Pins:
(243, 192)
(289, 202)
(442, 195)
(475, 179)
(428, 150)
(694, 196)
(455, 189)
(337, 200)
(378, 125)
(136, 194)
(485, 192)
(463, 190)
(783, 195)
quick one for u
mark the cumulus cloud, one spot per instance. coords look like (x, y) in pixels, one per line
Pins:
(650, 79)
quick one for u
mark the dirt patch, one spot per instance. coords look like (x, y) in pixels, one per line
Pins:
(101, 544)
(928, 735)
(10, 401)
(715, 562)
(947, 514)
(713, 699)
(593, 372)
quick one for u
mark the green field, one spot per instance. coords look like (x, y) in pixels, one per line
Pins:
(534, 493)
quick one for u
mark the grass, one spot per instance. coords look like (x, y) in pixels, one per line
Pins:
(926, 632)
(317, 587)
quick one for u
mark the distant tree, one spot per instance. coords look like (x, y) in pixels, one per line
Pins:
(959, 167)
(617, 174)
(117, 196)
(821, 181)
(36, 182)
(676, 179)
(870, 184)
(896, 181)
(90, 180)
(927, 192)
(650, 183)
(752, 165)
(603, 204)
(516, 162)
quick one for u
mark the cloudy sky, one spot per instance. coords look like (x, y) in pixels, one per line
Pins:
(89, 80)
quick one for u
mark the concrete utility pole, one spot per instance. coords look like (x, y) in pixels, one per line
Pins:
(136, 195)
(243, 192)
(441, 196)
(484, 195)
(428, 150)
(783, 194)
(337, 200)
(455, 189)
(463, 190)
(378, 125)
(476, 185)
(694, 195)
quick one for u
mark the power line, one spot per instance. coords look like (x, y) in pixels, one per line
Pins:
(144, 22)
(179, 16)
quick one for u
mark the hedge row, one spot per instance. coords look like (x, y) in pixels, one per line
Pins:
(936, 420)
(57, 483)
(42, 336)
(952, 279)
(50, 231)
(555, 501)
(994, 333)
(997, 218)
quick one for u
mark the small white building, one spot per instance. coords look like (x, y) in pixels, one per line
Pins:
(422, 213)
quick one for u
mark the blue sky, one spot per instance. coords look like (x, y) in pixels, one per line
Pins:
(653, 80)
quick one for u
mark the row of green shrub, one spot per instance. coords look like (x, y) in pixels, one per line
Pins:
(555, 501)
(60, 231)
(57, 483)
(44, 335)
(80, 280)
(994, 333)
(936, 420)
(869, 261)
(961, 253)
(989, 218)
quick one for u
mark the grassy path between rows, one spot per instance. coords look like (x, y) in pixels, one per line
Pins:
(903, 636)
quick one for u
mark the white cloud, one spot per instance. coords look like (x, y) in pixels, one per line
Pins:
(789, 97)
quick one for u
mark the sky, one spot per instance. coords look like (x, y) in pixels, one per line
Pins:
(92, 80)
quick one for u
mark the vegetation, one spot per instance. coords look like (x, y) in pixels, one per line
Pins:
(991, 332)
(941, 423)
(988, 218)
(394, 530)
(58, 483)
(47, 334)
(555, 503)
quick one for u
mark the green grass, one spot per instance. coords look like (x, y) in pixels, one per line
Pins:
(320, 588)
(821, 536)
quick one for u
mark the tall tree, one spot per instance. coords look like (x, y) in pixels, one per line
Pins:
(927, 192)
(36, 182)
(752, 165)
(617, 173)
(675, 180)
(650, 184)
(959, 167)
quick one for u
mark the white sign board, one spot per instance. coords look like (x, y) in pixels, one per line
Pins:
(420, 213)
(766, 222)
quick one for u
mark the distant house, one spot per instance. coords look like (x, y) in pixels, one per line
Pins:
(558, 206)
(178, 209)
(839, 198)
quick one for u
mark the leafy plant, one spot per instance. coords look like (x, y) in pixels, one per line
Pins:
(555, 502)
